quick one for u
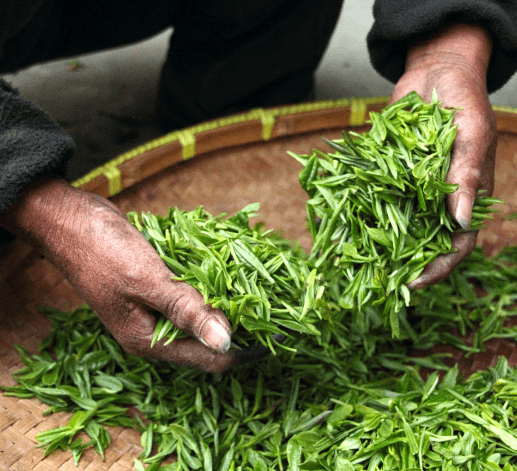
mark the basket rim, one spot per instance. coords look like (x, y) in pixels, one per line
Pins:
(259, 124)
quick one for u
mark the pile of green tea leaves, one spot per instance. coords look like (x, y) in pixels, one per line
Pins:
(343, 392)
(377, 209)
(350, 399)
(262, 283)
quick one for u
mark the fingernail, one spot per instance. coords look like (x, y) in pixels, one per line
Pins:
(463, 213)
(215, 336)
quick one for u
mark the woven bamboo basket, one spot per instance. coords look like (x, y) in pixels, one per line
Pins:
(222, 165)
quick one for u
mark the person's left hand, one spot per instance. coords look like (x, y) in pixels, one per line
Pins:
(454, 61)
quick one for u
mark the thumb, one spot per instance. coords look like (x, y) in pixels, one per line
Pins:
(185, 307)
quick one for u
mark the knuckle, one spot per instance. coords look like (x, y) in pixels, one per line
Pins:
(187, 310)
(132, 332)
(181, 309)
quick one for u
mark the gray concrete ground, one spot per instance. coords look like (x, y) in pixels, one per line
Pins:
(107, 104)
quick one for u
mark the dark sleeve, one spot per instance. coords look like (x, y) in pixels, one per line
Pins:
(31, 143)
(398, 21)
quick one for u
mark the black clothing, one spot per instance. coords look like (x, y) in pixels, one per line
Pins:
(224, 57)
(397, 21)
(31, 143)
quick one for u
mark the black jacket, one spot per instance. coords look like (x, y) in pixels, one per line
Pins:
(398, 21)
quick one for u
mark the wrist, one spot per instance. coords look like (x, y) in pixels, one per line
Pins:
(462, 44)
(40, 210)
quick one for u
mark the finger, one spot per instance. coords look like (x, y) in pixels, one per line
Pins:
(185, 307)
(136, 337)
(441, 268)
(190, 353)
(466, 174)
(472, 164)
(149, 283)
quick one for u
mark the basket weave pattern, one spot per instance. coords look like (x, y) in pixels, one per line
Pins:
(31, 281)
(28, 281)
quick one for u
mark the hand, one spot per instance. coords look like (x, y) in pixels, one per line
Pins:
(454, 61)
(119, 274)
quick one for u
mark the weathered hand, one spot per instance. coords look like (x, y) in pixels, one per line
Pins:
(454, 62)
(119, 274)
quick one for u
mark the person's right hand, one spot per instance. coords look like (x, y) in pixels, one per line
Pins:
(118, 274)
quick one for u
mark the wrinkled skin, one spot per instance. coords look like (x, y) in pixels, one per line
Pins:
(454, 61)
(118, 274)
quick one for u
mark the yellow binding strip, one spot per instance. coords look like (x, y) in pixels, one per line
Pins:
(358, 110)
(114, 178)
(268, 118)
(188, 143)
(504, 109)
